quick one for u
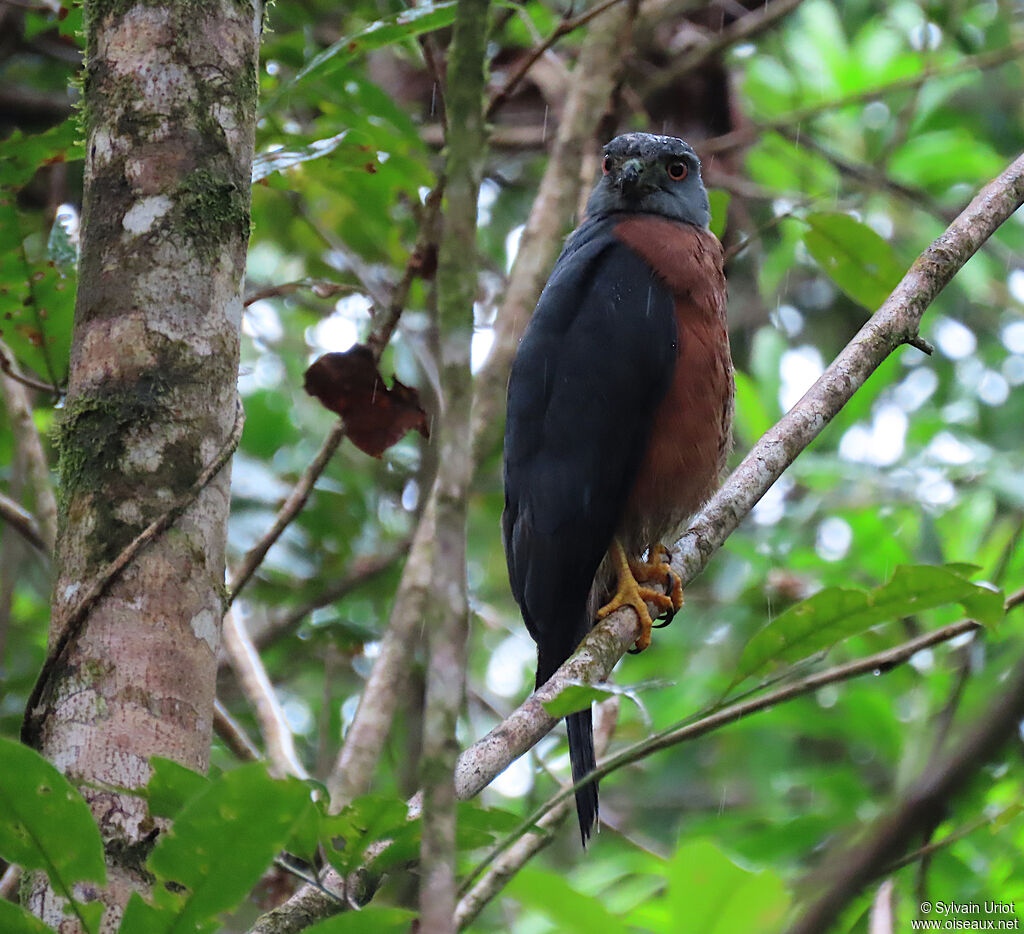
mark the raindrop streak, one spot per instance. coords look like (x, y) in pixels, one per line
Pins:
(433, 99)
(544, 130)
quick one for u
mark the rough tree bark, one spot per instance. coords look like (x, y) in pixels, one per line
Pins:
(169, 117)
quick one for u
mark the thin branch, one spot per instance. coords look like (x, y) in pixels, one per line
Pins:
(377, 341)
(419, 263)
(291, 507)
(704, 723)
(321, 288)
(259, 692)
(895, 323)
(848, 870)
(362, 571)
(952, 837)
(473, 900)
(10, 369)
(23, 522)
(233, 736)
(72, 625)
(366, 735)
(743, 29)
(565, 27)
(30, 448)
(446, 620)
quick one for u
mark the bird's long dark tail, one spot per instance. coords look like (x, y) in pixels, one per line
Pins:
(581, 745)
(581, 755)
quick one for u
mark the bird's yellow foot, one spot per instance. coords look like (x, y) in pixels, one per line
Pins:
(628, 592)
(658, 568)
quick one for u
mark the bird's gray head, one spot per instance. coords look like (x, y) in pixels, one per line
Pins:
(653, 175)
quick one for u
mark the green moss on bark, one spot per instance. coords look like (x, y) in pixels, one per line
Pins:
(211, 211)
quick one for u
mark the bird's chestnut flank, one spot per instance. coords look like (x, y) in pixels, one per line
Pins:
(620, 408)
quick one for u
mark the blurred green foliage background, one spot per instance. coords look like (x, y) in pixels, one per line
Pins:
(837, 145)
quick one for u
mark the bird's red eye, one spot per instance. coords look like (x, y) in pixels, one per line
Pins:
(677, 171)
(606, 164)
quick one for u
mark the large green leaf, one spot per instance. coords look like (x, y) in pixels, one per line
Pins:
(856, 258)
(171, 785)
(836, 613)
(709, 894)
(46, 824)
(221, 842)
(571, 911)
(15, 920)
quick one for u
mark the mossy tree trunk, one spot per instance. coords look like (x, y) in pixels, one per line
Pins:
(169, 116)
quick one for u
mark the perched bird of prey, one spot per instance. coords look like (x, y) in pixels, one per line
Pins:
(620, 408)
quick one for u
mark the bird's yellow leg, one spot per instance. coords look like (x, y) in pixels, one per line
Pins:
(629, 592)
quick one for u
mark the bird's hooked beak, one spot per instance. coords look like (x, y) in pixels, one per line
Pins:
(630, 175)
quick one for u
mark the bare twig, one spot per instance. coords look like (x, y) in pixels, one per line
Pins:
(252, 559)
(368, 731)
(259, 692)
(30, 449)
(362, 571)
(23, 522)
(565, 27)
(10, 369)
(895, 323)
(321, 288)
(232, 734)
(72, 624)
(473, 899)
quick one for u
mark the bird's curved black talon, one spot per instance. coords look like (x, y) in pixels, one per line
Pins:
(634, 651)
(664, 620)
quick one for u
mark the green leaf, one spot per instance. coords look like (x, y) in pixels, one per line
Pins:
(834, 614)
(46, 823)
(171, 785)
(222, 841)
(571, 911)
(372, 920)
(280, 160)
(370, 817)
(710, 894)
(406, 24)
(37, 301)
(578, 696)
(753, 416)
(15, 920)
(21, 156)
(856, 258)
(719, 199)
